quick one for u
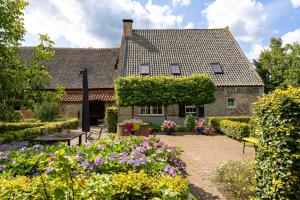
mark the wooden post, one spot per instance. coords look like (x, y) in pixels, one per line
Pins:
(132, 112)
(165, 112)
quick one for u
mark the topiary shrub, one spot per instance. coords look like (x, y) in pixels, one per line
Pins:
(235, 130)
(111, 118)
(278, 158)
(189, 123)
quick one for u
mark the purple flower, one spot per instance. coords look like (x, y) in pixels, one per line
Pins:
(23, 149)
(2, 167)
(99, 161)
(87, 165)
(14, 162)
(170, 170)
(4, 157)
(112, 155)
(80, 153)
(101, 147)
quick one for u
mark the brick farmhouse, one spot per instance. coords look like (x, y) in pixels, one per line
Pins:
(155, 52)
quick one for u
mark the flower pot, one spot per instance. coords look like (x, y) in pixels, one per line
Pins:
(199, 130)
(168, 131)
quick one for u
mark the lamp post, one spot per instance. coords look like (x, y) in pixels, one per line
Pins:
(85, 102)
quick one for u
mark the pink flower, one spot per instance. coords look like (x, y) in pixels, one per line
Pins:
(168, 124)
(200, 123)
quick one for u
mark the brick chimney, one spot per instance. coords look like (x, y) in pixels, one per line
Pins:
(127, 28)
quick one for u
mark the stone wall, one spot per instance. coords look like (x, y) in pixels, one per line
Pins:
(244, 97)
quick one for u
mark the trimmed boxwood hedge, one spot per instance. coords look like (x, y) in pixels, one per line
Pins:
(31, 133)
(278, 159)
(111, 118)
(16, 126)
(234, 129)
(215, 121)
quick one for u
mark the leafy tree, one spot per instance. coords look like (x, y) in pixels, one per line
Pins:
(21, 82)
(279, 66)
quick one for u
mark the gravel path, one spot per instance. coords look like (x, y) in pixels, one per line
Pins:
(203, 154)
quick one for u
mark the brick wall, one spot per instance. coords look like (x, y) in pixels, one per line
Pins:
(244, 97)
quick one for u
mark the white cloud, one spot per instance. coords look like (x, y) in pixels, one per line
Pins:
(291, 37)
(295, 3)
(244, 17)
(255, 50)
(181, 2)
(189, 25)
(93, 22)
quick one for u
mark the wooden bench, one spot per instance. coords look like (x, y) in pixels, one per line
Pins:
(251, 140)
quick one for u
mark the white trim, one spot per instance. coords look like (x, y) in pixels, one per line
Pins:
(190, 106)
(151, 111)
(234, 106)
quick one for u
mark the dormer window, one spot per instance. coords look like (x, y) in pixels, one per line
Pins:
(144, 69)
(175, 70)
(217, 69)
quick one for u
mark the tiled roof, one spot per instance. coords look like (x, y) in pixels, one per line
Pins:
(99, 95)
(193, 49)
(67, 62)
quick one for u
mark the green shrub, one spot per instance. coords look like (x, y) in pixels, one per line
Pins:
(180, 128)
(235, 130)
(278, 160)
(155, 127)
(215, 121)
(236, 179)
(47, 111)
(189, 123)
(33, 132)
(15, 126)
(8, 114)
(111, 118)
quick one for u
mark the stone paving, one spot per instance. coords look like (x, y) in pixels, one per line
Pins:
(203, 154)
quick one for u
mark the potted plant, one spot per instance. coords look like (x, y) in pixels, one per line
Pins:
(199, 125)
(58, 130)
(208, 130)
(168, 126)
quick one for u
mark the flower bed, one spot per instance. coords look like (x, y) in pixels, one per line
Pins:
(115, 168)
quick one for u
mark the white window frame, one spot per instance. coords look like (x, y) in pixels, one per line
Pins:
(228, 106)
(144, 69)
(175, 69)
(192, 113)
(151, 111)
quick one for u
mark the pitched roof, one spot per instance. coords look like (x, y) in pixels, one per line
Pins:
(98, 94)
(193, 49)
(67, 63)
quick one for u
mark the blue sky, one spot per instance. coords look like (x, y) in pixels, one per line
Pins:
(98, 23)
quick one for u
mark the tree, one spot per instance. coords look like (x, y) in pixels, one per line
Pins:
(21, 82)
(279, 65)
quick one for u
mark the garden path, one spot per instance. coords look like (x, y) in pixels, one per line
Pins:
(203, 154)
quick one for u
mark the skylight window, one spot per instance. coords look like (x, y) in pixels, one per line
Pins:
(217, 69)
(175, 70)
(144, 69)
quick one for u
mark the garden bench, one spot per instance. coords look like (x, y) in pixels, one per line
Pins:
(251, 140)
(65, 137)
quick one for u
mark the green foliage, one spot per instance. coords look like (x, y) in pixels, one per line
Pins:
(16, 126)
(111, 118)
(8, 114)
(22, 82)
(109, 168)
(235, 130)
(278, 159)
(189, 123)
(236, 179)
(279, 65)
(36, 130)
(215, 121)
(48, 108)
(180, 128)
(164, 90)
(155, 127)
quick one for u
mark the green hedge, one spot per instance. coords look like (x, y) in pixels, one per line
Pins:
(111, 118)
(215, 121)
(31, 133)
(16, 126)
(235, 130)
(278, 159)
(197, 89)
